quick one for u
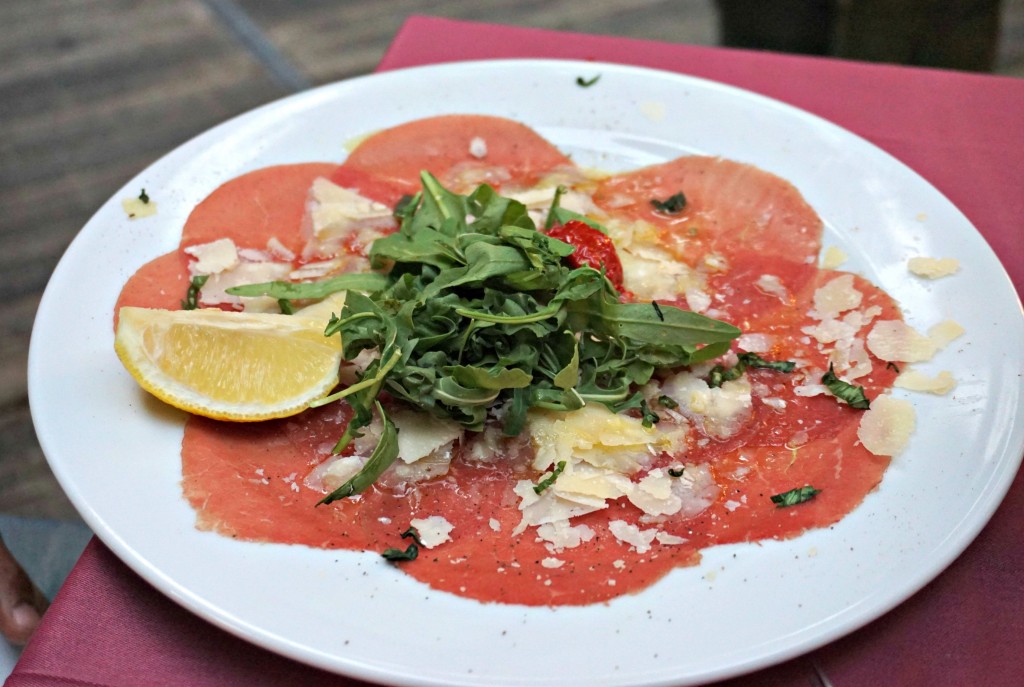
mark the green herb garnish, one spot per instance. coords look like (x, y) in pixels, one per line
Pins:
(676, 472)
(394, 555)
(587, 83)
(795, 496)
(649, 418)
(550, 479)
(672, 205)
(144, 197)
(667, 402)
(720, 374)
(892, 366)
(191, 301)
(286, 306)
(479, 310)
(853, 395)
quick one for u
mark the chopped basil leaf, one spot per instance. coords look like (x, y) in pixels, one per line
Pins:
(667, 402)
(756, 361)
(414, 533)
(394, 555)
(650, 418)
(550, 479)
(676, 472)
(191, 301)
(587, 83)
(720, 374)
(853, 395)
(795, 496)
(286, 306)
(144, 197)
(672, 205)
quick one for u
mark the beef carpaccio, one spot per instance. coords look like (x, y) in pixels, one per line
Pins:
(586, 505)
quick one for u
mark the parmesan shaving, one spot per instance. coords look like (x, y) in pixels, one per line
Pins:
(136, 208)
(432, 531)
(894, 340)
(835, 297)
(632, 535)
(886, 427)
(945, 332)
(933, 268)
(913, 380)
(213, 257)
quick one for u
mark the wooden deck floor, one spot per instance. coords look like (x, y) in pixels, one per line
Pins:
(92, 92)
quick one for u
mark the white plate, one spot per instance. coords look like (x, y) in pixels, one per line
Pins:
(116, 452)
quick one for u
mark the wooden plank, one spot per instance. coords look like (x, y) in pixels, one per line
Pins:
(335, 40)
(90, 94)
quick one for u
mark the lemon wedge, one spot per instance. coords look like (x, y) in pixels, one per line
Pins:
(229, 365)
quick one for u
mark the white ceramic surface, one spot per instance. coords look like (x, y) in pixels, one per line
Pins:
(116, 452)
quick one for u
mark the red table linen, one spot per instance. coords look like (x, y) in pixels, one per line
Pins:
(964, 133)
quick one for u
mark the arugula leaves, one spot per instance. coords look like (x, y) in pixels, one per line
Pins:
(478, 310)
(542, 486)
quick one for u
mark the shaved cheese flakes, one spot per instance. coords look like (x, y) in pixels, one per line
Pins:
(945, 332)
(835, 297)
(886, 427)
(933, 268)
(894, 340)
(913, 380)
(433, 531)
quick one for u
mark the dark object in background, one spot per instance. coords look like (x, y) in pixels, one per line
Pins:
(950, 34)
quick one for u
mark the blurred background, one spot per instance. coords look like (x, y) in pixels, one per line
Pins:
(92, 91)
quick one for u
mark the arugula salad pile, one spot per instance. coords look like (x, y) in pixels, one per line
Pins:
(472, 313)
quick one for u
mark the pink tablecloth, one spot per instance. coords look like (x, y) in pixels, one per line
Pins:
(964, 133)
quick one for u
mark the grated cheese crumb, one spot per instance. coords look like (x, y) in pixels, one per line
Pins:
(833, 258)
(552, 563)
(478, 148)
(772, 285)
